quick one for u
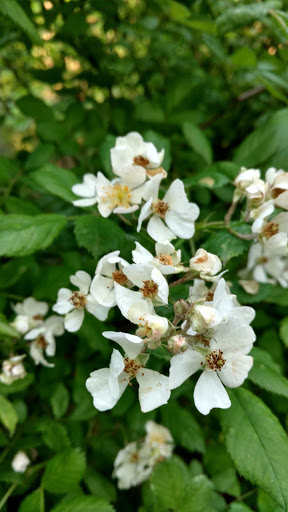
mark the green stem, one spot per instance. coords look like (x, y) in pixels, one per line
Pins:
(7, 494)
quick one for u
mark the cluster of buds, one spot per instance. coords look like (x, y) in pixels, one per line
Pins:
(136, 461)
(267, 258)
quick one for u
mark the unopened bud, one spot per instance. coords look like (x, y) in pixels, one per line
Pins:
(177, 344)
(181, 308)
(205, 264)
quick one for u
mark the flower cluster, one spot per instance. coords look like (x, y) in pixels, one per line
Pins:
(135, 462)
(267, 258)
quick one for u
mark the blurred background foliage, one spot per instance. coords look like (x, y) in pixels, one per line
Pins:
(207, 80)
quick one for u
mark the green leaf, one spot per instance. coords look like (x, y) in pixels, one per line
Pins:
(8, 414)
(177, 11)
(84, 504)
(198, 495)
(208, 178)
(21, 235)
(18, 385)
(33, 502)
(91, 233)
(198, 141)
(8, 330)
(257, 443)
(266, 374)
(225, 245)
(13, 10)
(284, 330)
(35, 107)
(265, 141)
(99, 485)
(168, 482)
(266, 503)
(40, 156)
(55, 436)
(240, 507)
(190, 435)
(57, 181)
(64, 471)
(243, 57)
(59, 400)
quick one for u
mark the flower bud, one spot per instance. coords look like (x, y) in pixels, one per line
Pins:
(177, 344)
(20, 462)
(181, 308)
(205, 264)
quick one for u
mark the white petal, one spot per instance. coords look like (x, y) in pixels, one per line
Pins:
(182, 224)
(87, 188)
(131, 344)
(96, 309)
(85, 202)
(116, 364)
(231, 336)
(153, 389)
(145, 212)
(183, 366)
(125, 209)
(98, 386)
(74, 320)
(141, 255)
(82, 280)
(137, 274)
(126, 298)
(107, 264)
(63, 304)
(55, 324)
(32, 307)
(158, 231)
(209, 392)
(235, 370)
(102, 289)
(163, 288)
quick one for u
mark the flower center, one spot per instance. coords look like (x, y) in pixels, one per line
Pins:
(78, 300)
(149, 289)
(215, 360)
(131, 367)
(119, 277)
(141, 160)
(134, 457)
(165, 259)
(160, 208)
(144, 331)
(119, 195)
(277, 192)
(41, 342)
(38, 317)
(270, 229)
(210, 296)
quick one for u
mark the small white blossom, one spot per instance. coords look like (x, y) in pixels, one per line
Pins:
(150, 281)
(20, 462)
(263, 262)
(278, 182)
(205, 265)
(179, 215)
(249, 184)
(87, 190)
(159, 439)
(167, 259)
(72, 304)
(260, 214)
(12, 369)
(30, 313)
(108, 271)
(118, 196)
(43, 339)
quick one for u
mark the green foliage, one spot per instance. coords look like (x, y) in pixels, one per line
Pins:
(34, 501)
(64, 471)
(56, 181)
(12, 9)
(247, 427)
(8, 414)
(84, 504)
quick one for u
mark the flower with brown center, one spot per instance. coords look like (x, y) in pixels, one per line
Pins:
(160, 208)
(270, 229)
(149, 289)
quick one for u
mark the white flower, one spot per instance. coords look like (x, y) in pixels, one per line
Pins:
(174, 209)
(167, 259)
(87, 190)
(132, 465)
(108, 384)
(248, 183)
(278, 181)
(159, 439)
(131, 150)
(108, 271)
(72, 304)
(20, 462)
(30, 313)
(275, 235)
(151, 283)
(205, 264)
(225, 361)
(12, 369)
(262, 263)
(44, 339)
(118, 196)
(260, 214)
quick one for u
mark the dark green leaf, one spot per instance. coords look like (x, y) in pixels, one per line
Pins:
(56, 181)
(266, 374)
(8, 414)
(64, 471)
(33, 502)
(198, 141)
(190, 435)
(12, 9)
(84, 504)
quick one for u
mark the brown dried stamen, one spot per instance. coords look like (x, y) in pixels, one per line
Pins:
(165, 259)
(119, 277)
(201, 259)
(131, 367)
(78, 300)
(134, 457)
(262, 260)
(210, 296)
(149, 289)
(141, 160)
(144, 331)
(41, 342)
(160, 208)
(277, 192)
(38, 317)
(270, 229)
(215, 360)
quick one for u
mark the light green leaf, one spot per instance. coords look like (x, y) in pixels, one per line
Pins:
(177, 11)
(84, 504)
(13, 10)
(266, 503)
(8, 414)
(168, 482)
(91, 233)
(8, 330)
(266, 374)
(33, 502)
(59, 400)
(198, 141)
(21, 235)
(55, 436)
(257, 443)
(284, 330)
(64, 471)
(243, 57)
(239, 507)
(56, 181)
(190, 435)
